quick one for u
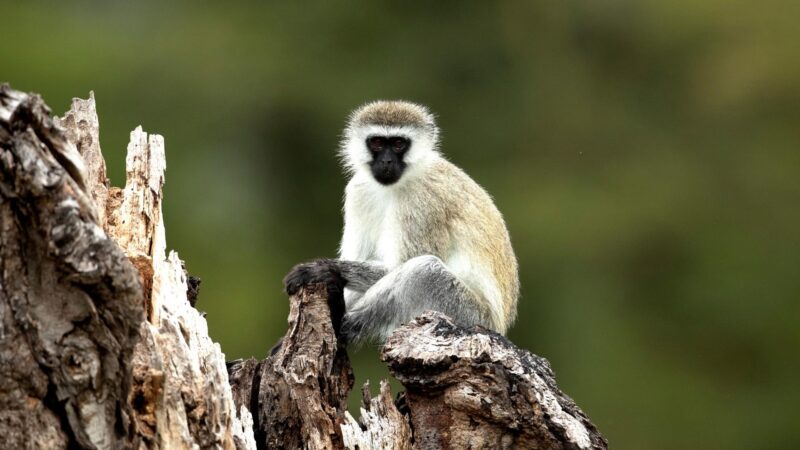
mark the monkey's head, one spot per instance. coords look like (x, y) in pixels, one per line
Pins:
(390, 140)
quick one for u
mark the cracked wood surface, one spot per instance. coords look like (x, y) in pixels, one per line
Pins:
(380, 426)
(473, 388)
(100, 347)
(465, 388)
(299, 393)
(70, 301)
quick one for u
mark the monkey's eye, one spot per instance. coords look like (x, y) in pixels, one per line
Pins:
(399, 145)
(375, 143)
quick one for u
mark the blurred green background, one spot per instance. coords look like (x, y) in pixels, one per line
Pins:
(645, 154)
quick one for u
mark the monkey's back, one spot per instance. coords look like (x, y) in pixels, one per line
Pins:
(454, 218)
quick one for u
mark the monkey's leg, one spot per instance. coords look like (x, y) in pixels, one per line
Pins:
(420, 284)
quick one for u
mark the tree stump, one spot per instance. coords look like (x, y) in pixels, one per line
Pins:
(473, 388)
(101, 348)
(299, 393)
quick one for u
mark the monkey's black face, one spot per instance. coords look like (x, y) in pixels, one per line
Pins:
(387, 157)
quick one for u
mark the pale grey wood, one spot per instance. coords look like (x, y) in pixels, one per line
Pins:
(82, 128)
(380, 425)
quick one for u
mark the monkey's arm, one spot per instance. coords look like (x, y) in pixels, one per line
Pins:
(420, 284)
(387, 299)
(356, 275)
(360, 275)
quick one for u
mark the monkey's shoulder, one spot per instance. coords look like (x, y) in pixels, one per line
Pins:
(451, 192)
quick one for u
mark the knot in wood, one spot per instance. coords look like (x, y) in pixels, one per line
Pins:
(79, 361)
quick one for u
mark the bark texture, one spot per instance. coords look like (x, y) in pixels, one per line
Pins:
(99, 346)
(473, 388)
(70, 301)
(465, 388)
(381, 425)
(299, 393)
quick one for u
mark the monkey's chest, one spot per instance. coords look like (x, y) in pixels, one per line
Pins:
(404, 236)
(389, 241)
(392, 234)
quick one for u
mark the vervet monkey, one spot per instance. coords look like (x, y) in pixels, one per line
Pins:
(419, 234)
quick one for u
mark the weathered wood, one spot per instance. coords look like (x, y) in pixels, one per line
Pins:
(299, 393)
(473, 388)
(82, 128)
(180, 392)
(70, 301)
(80, 364)
(465, 388)
(381, 425)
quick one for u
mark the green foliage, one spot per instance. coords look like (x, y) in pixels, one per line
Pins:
(645, 156)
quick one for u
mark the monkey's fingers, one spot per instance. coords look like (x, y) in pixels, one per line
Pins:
(295, 279)
(319, 271)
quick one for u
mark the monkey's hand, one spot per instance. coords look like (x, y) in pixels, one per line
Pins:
(318, 271)
(321, 271)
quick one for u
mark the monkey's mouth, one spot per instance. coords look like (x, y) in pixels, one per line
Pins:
(386, 176)
(387, 179)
